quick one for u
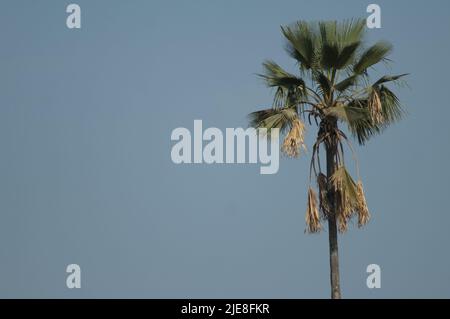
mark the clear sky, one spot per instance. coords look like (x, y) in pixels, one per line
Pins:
(86, 175)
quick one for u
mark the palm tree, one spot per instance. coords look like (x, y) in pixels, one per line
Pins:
(333, 87)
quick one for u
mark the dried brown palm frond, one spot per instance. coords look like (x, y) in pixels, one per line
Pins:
(312, 213)
(342, 224)
(375, 107)
(322, 184)
(346, 196)
(361, 207)
(294, 140)
(344, 210)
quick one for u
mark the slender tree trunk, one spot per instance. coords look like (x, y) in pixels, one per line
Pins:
(332, 227)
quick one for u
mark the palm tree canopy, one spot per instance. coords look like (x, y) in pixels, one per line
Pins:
(332, 85)
(333, 63)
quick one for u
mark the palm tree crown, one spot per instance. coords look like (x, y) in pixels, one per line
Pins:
(333, 86)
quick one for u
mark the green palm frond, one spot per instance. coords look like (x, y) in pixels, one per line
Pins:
(275, 76)
(348, 114)
(290, 88)
(324, 84)
(351, 31)
(363, 128)
(346, 83)
(347, 55)
(388, 110)
(373, 55)
(328, 32)
(329, 56)
(391, 108)
(282, 118)
(389, 78)
(340, 42)
(301, 43)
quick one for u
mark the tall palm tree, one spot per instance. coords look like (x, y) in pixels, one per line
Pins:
(333, 87)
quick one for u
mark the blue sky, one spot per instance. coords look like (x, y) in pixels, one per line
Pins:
(86, 175)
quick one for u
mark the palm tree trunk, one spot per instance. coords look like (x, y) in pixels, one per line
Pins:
(332, 227)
